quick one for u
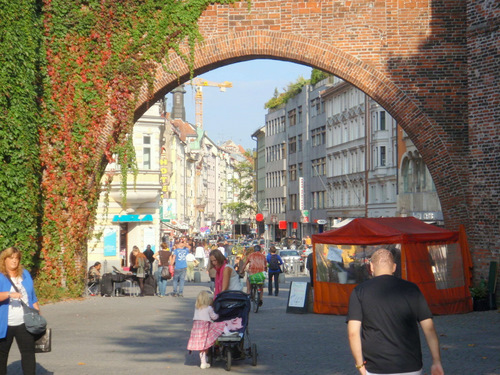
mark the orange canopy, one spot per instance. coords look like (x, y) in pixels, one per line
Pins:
(444, 281)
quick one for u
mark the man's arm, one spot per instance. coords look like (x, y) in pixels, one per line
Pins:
(433, 342)
(354, 334)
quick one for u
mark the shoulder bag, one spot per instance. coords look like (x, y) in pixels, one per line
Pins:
(34, 322)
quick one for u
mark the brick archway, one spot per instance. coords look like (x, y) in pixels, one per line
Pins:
(283, 46)
(429, 63)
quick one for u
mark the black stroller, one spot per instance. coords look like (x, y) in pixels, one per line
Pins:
(229, 305)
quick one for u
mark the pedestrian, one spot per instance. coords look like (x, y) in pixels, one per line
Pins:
(382, 323)
(204, 332)
(191, 263)
(226, 277)
(12, 311)
(149, 253)
(274, 263)
(199, 254)
(142, 267)
(180, 253)
(165, 258)
(310, 268)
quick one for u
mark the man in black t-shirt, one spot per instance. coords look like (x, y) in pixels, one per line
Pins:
(382, 323)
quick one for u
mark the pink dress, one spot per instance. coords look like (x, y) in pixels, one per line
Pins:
(204, 332)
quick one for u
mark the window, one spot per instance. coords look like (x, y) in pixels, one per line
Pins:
(293, 172)
(299, 143)
(382, 120)
(319, 167)
(318, 136)
(382, 156)
(300, 114)
(292, 145)
(292, 117)
(146, 152)
(301, 170)
(293, 201)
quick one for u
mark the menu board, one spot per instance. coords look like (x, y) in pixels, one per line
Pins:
(298, 297)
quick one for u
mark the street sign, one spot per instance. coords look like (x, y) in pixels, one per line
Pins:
(321, 222)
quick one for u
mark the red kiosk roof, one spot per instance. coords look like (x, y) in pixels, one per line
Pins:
(385, 230)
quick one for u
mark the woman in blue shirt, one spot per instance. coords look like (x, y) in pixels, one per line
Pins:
(12, 312)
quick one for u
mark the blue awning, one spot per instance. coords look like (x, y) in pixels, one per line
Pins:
(133, 219)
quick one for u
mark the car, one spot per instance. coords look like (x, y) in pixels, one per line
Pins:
(290, 259)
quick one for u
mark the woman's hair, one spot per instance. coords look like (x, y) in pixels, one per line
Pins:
(97, 264)
(219, 257)
(164, 246)
(204, 299)
(135, 249)
(272, 249)
(7, 253)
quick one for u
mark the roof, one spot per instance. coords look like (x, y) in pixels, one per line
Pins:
(385, 230)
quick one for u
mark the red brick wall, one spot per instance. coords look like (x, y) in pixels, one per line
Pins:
(414, 57)
(483, 73)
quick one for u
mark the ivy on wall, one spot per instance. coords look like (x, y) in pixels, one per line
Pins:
(20, 90)
(77, 67)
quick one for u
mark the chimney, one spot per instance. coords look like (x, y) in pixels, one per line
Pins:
(178, 109)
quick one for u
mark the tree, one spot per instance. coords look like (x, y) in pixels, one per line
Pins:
(244, 188)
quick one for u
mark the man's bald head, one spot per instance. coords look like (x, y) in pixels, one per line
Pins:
(382, 263)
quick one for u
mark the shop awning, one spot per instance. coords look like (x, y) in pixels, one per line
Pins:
(133, 219)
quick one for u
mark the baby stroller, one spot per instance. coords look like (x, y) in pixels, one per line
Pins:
(237, 345)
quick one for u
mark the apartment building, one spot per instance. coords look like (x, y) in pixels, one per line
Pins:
(340, 161)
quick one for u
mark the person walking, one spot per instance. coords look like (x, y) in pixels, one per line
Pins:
(180, 253)
(204, 332)
(382, 323)
(142, 267)
(274, 263)
(12, 311)
(191, 263)
(165, 258)
(199, 254)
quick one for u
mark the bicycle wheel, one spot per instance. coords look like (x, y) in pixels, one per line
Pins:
(256, 301)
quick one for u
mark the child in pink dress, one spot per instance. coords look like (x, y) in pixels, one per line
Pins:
(204, 332)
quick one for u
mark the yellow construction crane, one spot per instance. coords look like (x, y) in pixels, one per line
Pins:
(198, 83)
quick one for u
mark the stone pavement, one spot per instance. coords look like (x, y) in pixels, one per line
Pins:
(148, 335)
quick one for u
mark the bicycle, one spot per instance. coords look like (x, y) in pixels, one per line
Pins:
(256, 293)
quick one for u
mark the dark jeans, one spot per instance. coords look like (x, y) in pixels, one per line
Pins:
(25, 343)
(276, 276)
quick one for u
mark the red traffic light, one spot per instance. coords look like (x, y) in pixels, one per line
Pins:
(259, 217)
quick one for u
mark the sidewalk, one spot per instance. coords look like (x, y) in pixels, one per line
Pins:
(148, 335)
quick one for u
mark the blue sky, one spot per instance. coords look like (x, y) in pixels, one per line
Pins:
(239, 111)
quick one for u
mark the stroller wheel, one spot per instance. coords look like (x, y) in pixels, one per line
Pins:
(254, 354)
(229, 360)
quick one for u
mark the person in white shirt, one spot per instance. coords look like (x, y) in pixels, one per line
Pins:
(199, 254)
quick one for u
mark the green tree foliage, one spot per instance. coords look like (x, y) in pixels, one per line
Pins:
(282, 98)
(318, 75)
(69, 70)
(20, 88)
(244, 188)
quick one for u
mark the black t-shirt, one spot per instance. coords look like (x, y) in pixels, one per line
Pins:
(389, 309)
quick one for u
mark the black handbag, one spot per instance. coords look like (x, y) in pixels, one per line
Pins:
(165, 273)
(43, 344)
(34, 322)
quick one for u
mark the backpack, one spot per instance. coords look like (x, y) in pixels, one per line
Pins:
(274, 263)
